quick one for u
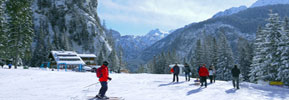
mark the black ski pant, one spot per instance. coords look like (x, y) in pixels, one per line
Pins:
(203, 79)
(236, 82)
(176, 75)
(211, 78)
(103, 89)
(214, 77)
(187, 75)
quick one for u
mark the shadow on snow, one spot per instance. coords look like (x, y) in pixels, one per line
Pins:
(198, 89)
(231, 91)
(171, 83)
(270, 91)
(194, 91)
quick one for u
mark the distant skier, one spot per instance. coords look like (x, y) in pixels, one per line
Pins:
(199, 68)
(9, 65)
(102, 74)
(203, 72)
(187, 72)
(176, 71)
(235, 72)
(212, 72)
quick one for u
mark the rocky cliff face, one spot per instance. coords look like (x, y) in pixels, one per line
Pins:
(67, 25)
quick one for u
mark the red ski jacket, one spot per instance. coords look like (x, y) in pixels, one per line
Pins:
(172, 70)
(103, 73)
(203, 71)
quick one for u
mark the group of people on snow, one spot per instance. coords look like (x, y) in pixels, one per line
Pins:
(102, 74)
(9, 66)
(204, 73)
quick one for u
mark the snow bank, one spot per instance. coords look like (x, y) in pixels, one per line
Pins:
(33, 84)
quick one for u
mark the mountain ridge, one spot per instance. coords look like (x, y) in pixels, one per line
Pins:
(244, 23)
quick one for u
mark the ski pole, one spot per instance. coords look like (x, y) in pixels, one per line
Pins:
(91, 84)
(94, 84)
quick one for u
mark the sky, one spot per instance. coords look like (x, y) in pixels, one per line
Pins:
(138, 17)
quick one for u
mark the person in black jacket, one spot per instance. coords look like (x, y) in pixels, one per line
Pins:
(176, 69)
(235, 73)
(187, 72)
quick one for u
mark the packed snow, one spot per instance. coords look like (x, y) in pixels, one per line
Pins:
(37, 84)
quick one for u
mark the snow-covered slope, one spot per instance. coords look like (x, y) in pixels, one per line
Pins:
(269, 2)
(34, 84)
(230, 11)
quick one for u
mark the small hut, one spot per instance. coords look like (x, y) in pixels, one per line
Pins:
(89, 59)
(68, 58)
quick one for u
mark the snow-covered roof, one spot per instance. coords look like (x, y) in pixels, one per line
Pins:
(180, 65)
(64, 52)
(67, 57)
(87, 55)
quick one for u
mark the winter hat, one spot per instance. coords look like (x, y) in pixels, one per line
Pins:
(105, 63)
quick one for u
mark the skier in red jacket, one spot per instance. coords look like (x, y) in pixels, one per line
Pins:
(203, 72)
(102, 74)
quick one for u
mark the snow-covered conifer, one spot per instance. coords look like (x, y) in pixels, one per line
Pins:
(20, 29)
(225, 58)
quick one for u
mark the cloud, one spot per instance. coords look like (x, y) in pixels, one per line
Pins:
(166, 14)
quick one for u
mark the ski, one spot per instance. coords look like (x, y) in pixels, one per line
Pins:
(110, 98)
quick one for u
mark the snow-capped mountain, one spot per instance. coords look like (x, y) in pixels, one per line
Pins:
(258, 3)
(67, 25)
(269, 2)
(240, 25)
(230, 11)
(133, 45)
(152, 37)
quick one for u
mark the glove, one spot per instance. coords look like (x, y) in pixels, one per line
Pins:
(109, 79)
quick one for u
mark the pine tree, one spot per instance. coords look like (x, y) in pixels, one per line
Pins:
(3, 34)
(20, 29)
(41, 49)
(199, 53)
(120, 56)
(141, 69)
(160, 64)
(283, 70)
(206, 47)
(113, 59)
(225, 61)
(100, 58)
(209, 44)
(245, 57)
(257, 65)
(194, 68)
(153, 65)
(215, 52)
(273, 37)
